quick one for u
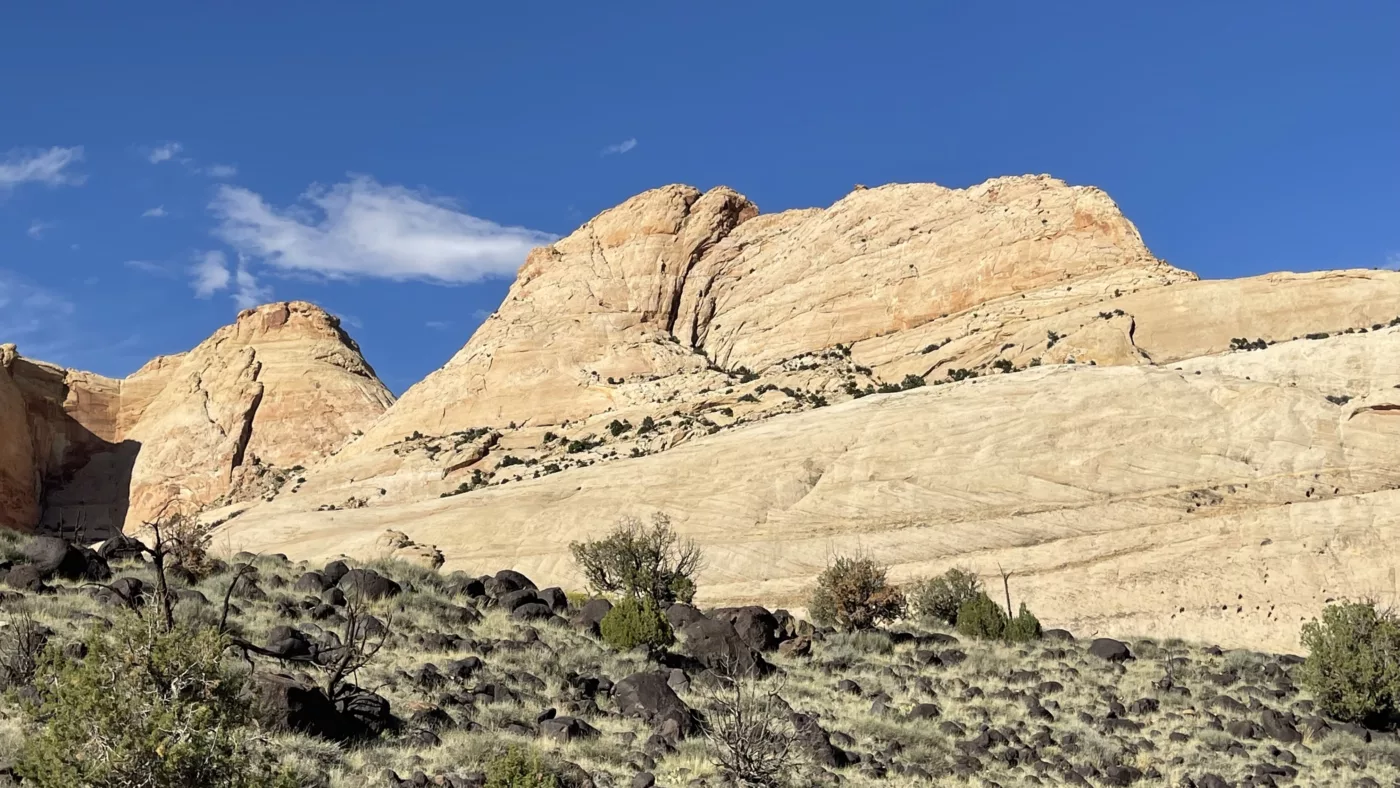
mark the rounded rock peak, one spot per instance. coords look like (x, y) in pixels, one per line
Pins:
(286, 315)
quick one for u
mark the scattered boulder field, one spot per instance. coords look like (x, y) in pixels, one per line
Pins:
(474, 664)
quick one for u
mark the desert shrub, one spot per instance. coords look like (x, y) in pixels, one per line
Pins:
(520, 768)
(633, 623)
(939, 598)
(22, 643)
(751, 735)
(185, 541)
(1024, 627)
(146, 707)
(643, 563)
(982, 619)
(852, 593)
(1353, 663)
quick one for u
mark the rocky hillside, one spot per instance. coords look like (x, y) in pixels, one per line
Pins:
(998, 375)
(233, 419)
(466, 668)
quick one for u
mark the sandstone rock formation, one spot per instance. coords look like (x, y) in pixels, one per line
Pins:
(19, 486)
(1002, 374)
(281, 387)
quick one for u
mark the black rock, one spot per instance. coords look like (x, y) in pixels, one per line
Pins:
(370, 584)
(648, 697)
(755, 625)
(1110, 649)
(717, 646)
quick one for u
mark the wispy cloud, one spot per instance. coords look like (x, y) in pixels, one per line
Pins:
(37, 229)
(148, 267)
(621, 147)
(438, 325)
(220, 171)
(27, 315)
(154, 213)
(164, 152)
(361, 228)
(210, 274)
(50, 167)
(247, 293)
(1392, 261)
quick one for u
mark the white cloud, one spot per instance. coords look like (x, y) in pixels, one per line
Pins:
(147, 267)
(364, 229)
(154, 213)
(221, 171)
(37, 229)
(621, 147)
(210, 274)
(438, 325)
(27, 316)
(48, 167)
(164, 152)
(1392, 262)
(248, 293)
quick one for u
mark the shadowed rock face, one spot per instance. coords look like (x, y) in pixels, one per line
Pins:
(1098, 436)
(280, 387)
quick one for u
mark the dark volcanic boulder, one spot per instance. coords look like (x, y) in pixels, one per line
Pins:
(648, 697)
(814, 739)
(590, 617)
(1110, 649)
(513, 599)
(284, 703)
(312, 583)
(27, 577)
(335, 570)
(288, 643)
(757, 626)
(567, 729)
(121, 548)
(370, 584)
(680, 615)
(367, 711)
(717, 646)
(532, 611)
(555, 597)
(508, 580)
(53, 557)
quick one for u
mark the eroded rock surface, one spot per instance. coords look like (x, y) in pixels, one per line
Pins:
(1000, 374)
(282, 387)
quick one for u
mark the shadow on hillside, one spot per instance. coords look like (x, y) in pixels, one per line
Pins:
(86, 499)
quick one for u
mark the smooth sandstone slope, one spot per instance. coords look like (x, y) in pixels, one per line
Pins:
(280, 387)
(733, 331)
(1199, 502)
(668, 305)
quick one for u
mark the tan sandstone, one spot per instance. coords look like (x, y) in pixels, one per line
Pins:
(282, 386)
(1132, 471)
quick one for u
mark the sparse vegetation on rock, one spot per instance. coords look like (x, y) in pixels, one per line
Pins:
(642, 562)
(635, 622)
(852, 594)
(939, 599)
(1353, 663)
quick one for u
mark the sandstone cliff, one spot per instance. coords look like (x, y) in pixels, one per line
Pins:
(1003, 374)
(281, 387)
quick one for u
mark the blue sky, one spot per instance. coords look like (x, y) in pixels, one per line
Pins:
(161, 163)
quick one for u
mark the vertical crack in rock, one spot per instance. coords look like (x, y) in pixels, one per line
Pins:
(246, 434)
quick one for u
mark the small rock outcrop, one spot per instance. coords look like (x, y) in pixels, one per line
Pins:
(237, 417)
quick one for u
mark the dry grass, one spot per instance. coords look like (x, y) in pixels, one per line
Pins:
(535, 661)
